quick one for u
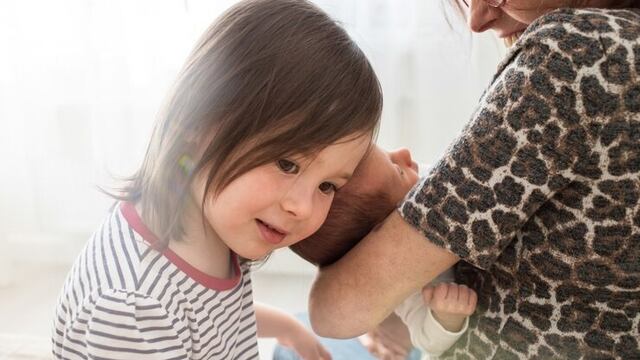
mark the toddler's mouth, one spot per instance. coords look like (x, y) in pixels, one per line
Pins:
(270, 233)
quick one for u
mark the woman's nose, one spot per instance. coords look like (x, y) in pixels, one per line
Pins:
(401, 157)
(481, 16)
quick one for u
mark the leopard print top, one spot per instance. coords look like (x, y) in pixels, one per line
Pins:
(540, 193)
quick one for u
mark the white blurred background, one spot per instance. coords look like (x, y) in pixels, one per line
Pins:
(81, 81)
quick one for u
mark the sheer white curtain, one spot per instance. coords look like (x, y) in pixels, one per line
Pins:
(81, 81)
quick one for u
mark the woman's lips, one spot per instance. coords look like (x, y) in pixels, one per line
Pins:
(269, 233)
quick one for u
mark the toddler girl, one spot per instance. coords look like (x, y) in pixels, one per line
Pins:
(270, 115)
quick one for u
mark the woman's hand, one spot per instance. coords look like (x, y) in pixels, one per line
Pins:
(450, 304)
(304, 343)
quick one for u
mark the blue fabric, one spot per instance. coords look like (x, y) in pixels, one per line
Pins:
(340, 349)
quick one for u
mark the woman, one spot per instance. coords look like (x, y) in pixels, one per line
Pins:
(539, 196)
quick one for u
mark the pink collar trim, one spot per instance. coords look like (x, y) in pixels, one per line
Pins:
(135, 221)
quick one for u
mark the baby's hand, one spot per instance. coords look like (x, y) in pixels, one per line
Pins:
(450, 304)
(305, 343)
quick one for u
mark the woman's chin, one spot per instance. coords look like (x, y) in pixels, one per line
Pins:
(511, 39)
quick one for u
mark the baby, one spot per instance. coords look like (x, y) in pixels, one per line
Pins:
(438, 315)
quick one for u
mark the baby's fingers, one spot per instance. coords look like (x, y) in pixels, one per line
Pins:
(463, 295)
(467, 300)
(472, 303)
(427, 294)
(446, 292)
(442, 292)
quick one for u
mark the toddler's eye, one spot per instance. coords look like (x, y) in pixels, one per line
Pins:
(287, 166)
(327, 187)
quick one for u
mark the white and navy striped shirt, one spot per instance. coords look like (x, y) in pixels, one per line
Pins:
(123, 299)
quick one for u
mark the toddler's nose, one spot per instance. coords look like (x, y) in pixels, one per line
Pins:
(298, 201)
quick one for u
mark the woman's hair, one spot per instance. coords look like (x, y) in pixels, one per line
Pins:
(351, 217)
(267, 80)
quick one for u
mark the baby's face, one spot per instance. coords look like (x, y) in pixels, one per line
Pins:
(393, 173)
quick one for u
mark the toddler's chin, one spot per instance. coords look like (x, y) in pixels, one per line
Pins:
(253, 255)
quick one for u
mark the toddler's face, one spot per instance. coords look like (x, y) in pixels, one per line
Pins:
(281, 203)
(391, 172)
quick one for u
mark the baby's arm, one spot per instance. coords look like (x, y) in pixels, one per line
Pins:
(289, 332)
(428, 333)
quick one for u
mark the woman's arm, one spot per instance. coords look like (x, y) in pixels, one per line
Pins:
(359, 291)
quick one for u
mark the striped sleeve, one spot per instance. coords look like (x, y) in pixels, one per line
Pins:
(126, 325)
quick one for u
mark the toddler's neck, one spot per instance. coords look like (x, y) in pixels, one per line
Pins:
(201, 248)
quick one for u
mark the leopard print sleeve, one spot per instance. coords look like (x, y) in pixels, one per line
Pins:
(540, 127)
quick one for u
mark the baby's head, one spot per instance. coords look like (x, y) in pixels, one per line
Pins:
(270, 82)
(379, 183)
